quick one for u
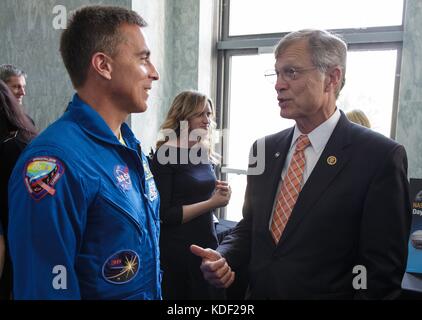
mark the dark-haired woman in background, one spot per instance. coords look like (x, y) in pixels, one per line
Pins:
(16, 131)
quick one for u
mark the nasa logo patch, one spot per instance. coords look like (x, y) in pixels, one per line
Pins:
(121, 173)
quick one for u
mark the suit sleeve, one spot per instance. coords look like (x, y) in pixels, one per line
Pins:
(236, 246)
(47, 207)
(385, 228)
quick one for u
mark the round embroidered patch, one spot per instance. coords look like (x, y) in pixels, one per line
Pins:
(121, 173)
(41, 174)
(121, 267)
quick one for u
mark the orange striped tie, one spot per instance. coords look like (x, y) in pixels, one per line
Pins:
(290, 189)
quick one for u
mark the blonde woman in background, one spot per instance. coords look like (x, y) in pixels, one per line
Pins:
(189, 193)
(359, 117)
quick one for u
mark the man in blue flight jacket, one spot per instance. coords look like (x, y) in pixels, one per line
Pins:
(84, 209)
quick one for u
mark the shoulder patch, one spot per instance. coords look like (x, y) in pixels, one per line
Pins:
(40, 176)
(121, 267)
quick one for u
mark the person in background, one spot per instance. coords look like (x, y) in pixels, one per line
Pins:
(15, 80)
(84, 210)
(359, 117)
(189, 194)
(16, 131)
(329, 217)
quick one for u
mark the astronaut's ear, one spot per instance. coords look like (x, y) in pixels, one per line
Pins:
(101, 63)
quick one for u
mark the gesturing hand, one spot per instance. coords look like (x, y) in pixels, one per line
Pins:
(214, 267)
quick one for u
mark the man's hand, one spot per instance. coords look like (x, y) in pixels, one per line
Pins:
(214, 267)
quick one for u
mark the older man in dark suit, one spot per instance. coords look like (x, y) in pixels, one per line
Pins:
(329, 217)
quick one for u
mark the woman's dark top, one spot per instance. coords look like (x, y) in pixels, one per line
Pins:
(182, 184)
(10, 149)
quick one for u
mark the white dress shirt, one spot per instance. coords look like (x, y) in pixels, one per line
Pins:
(318, 138)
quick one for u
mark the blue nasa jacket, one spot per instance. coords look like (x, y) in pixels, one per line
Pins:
(84, 214)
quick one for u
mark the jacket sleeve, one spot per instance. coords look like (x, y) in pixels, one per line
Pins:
(385, 229)
(236, 246)
(47, 208)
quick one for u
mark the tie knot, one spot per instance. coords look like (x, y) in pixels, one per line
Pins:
(302, 142)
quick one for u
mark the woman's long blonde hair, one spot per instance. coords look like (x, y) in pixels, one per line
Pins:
(184, 107)
(359, 117)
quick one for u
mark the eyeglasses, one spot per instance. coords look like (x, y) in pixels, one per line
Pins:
(287, 74)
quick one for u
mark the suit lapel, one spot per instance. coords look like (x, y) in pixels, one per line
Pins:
(322, 175)
(275, 157)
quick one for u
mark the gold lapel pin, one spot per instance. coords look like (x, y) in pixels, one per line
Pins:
(277, 154)
(331, 160)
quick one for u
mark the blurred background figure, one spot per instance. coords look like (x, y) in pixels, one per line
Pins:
(16, 131)
(359, 117)
(189, 192)
(15, 80)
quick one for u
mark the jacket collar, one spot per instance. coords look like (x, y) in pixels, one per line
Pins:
(93, 124)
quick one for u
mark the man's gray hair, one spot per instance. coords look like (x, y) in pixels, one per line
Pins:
(8, 70)
(327, 50)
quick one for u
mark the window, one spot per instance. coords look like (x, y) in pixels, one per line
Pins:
(250, 109)
(274, 16)
(371, 75)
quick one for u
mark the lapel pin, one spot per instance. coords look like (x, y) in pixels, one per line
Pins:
(331, 160)
(277, 154)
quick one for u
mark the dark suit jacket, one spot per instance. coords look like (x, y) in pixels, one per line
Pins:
(356, 212)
